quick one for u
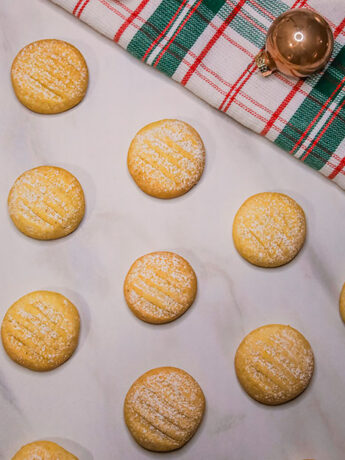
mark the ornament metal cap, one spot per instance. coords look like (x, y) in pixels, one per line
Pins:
(265, 63)
(299, 43)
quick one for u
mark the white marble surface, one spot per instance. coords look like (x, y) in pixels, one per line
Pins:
(80, 404)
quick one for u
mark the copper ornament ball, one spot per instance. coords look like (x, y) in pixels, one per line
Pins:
(299, 43)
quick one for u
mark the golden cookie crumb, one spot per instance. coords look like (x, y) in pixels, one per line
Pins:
(40, 331)
(46, 203)
(164, 408)
(166, 158)
(160, 287)
(269, 229)
(274, 364)
(49, 76)
(43, 450)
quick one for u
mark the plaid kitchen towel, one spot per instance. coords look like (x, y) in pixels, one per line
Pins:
(209, 47)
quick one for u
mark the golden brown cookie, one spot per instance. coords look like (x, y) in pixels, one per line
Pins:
(160, 287)
(40, 331)
(269, 229)
(49, 76)
(164, 408)
(46, 203)
(342, 303)
(274, 364)
(166, 158)
(43, 450)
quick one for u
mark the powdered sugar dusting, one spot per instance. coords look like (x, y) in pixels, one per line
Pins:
(46, 202)
(163, 408)
(49, 76)
(274, 363)
(160, 286)
(43, 450)
(166, 158)
(269, 229)
(40, 330)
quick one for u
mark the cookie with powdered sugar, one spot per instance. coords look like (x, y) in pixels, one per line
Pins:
(274, 364)
(40, 331)
(160, 287)
(43, 450)
(269, 229)
(164, 408)
(166, 158)
(46, 203)
(49, 76)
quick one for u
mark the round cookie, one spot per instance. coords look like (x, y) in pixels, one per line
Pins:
(40, 331)
(49, 76)
(274, 364)
(43, 450)
(269, 229)
(342, 303)
(164, 408)
(160, 287)
(46, 203)
(166, 158)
